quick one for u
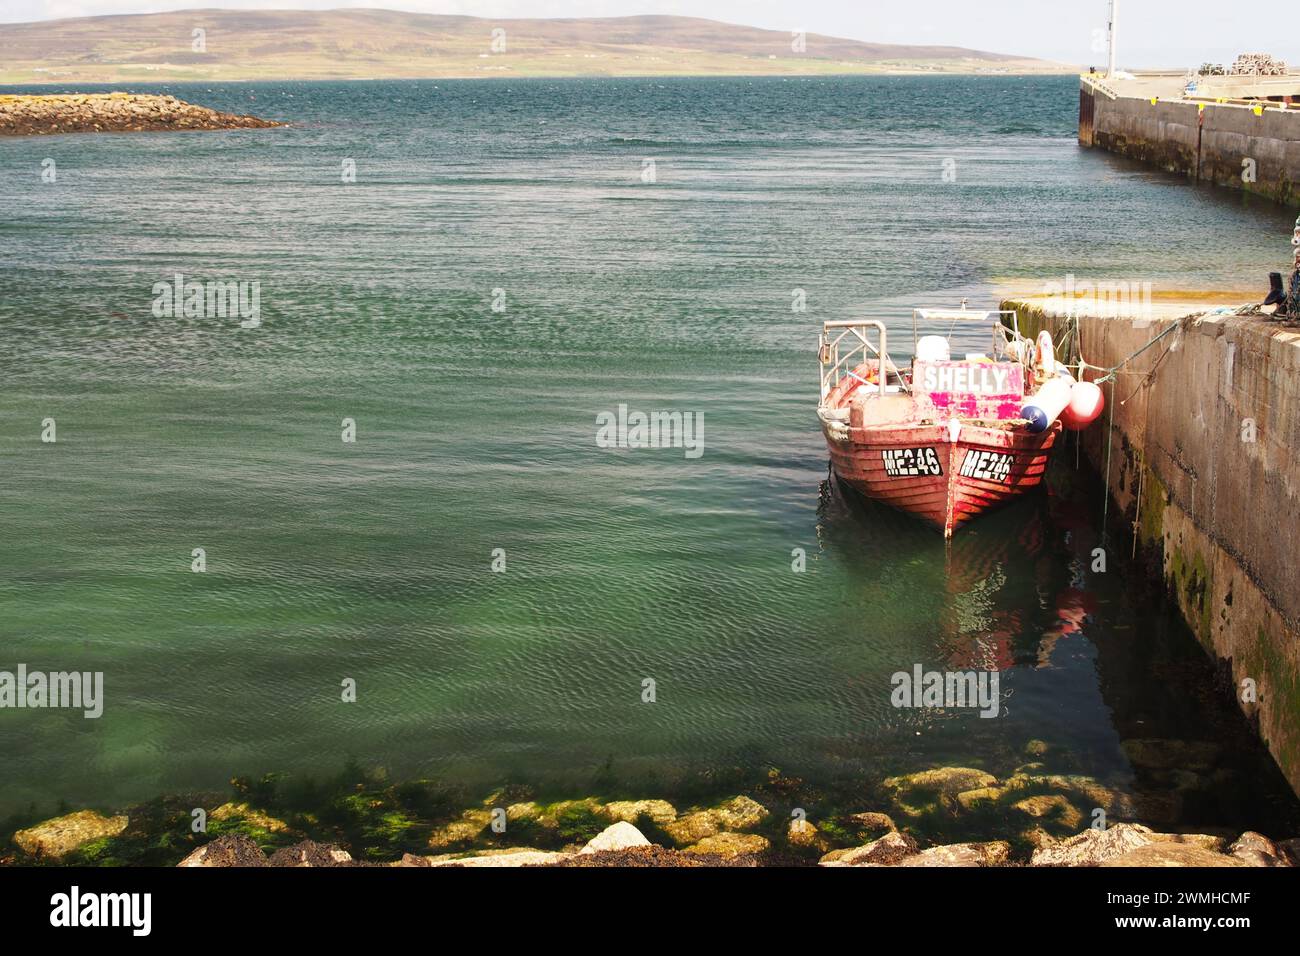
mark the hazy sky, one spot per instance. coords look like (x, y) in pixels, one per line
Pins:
(1153, 32)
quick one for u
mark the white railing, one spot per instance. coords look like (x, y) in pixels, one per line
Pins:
(842, 343)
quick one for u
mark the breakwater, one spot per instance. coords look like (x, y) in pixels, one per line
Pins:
(113, 113)
(1197, 448)
(1238, 144)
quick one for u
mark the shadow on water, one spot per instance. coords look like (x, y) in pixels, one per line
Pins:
(1098, 663)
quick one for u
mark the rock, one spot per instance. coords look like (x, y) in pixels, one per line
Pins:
(1093, 847)
(739, 813)
(1292, 849)
(873, 821)
(56, 838)
(620, 836)
(803, 833)
(1171, 854)
(551, 816)
(527, 810)
(996, 853)
(1036, 748)
(1255, 849)
(311, 853)
(889, 849)
(629, 811)
(728, 845)
(469, 826)
(231, 849)
(522, 856)
(1092, 793)
(1169, 754)
(24, 115)
(1206, 841)
(410, 859)
(1054, 806)
(912, 792)
(969, 798)
(946, 780)
(1038, 838)
(245, 813)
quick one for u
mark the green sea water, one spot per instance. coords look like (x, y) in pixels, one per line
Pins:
(644, 243)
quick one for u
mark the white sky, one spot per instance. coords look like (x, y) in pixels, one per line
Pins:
(1153, 32)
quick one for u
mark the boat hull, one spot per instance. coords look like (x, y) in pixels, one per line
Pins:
(944, 474)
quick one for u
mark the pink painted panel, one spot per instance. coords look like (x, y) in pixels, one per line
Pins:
(990, 391)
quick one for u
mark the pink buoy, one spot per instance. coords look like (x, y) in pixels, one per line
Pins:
(1086, 405)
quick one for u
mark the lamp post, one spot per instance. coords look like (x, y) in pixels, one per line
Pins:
(1114, 26)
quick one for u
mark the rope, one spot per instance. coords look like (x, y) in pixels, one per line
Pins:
(1110, 440)
(1110, 373)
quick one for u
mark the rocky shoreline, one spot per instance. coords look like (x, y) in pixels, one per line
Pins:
(29, 115)
(1032, 817)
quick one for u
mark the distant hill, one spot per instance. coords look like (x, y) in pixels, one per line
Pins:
(359, 43)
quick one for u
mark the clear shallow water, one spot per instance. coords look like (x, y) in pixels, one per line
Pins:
(476, 431)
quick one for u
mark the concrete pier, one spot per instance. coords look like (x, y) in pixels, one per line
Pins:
(1240, 136)
(1202, 432)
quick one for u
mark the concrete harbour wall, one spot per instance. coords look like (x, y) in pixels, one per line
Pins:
(1251, 148)
(1202, 463)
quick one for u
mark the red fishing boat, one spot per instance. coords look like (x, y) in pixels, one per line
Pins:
(945, 440)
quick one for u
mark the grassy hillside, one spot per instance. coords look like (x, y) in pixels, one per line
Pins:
(340, 44)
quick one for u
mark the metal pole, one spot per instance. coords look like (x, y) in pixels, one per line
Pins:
(1114, 25)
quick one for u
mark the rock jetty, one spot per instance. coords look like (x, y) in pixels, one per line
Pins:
(1036, 814)
(113, 113)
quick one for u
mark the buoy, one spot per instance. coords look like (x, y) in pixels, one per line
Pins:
(1087, 402)
(1046, 354)
(1046, 405)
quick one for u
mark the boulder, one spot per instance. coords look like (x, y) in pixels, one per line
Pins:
(968, 799)
(56, 838)
(243, 812)
(739, 813)
(1206, 841)
(311, 853)
(729, 845)
(804, 834)
(1171, 854)
(1093, 847)
(996, 853)
(231, 849)
(521, 856)
(469, 826)
(873, 821)
(629, 811)
(946, 780)
(620, 836)
(1255, 849)
(1053, 806)
(889, 849)
(915, 793)
(1292, 850)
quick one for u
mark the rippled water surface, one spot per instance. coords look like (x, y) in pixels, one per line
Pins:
(476, 431)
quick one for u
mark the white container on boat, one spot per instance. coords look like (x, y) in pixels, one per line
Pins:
(932, 348)
(1046, 405)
